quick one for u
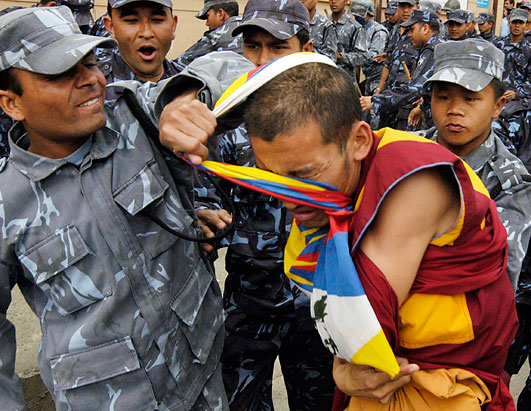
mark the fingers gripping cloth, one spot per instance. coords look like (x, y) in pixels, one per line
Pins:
(317, 260)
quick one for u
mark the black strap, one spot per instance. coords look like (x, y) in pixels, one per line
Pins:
(153, 133)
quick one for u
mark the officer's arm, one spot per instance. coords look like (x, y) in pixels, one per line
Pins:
(11, 395)
(359, 51)
(329, 48)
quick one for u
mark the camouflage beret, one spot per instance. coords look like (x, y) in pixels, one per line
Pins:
(519, 15)
(282, 19)
(202, 14)
(421, 16)
(44, 40)
(471, 63)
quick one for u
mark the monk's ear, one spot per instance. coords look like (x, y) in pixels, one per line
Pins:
(360, 140)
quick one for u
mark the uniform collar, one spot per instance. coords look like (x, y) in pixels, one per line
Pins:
(37, 167)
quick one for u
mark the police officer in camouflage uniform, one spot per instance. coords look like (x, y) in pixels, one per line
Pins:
(377, 36)
(471, 67)
(457, 24)
(131, 314)
(423, 30)
(221, 18)
(267, 316)
(391, 16)
(485, 22)
(399, 50)
(352, 44)
(517, 77)
(322, 31)
(142, 46)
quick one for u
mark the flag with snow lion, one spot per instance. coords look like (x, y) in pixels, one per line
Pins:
(317, 260)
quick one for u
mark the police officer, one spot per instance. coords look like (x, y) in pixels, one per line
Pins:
(221, 18)
(485, 22)
(131, 314)
(448, 6)
(423, 30)
(457, 24)
(82, 11)
(391, 16)
(322, 31)
(144, 31)
(400, 51)
(352, 44)
(471, 25)
(377, 36)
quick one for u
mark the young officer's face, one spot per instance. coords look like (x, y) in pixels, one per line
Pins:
(62, 110)
(261, 47)
(463, 118)
(144, 32)
(456, 30)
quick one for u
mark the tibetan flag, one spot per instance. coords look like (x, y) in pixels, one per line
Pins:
(317, 260)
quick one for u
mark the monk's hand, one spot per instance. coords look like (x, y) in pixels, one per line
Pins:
(210, 221)
(185, 125)
(509, 94)
(366, 382)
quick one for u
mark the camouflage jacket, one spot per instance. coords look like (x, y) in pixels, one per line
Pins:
(219, 39)
(114, 68)
(377, 36)
(256, 282)
(389, 27)
(517, 72)
(399, 49)
(6, 123)
(131, 315)
(509, 184)
(515, 132)
(323, 35)
(406, 93)
(489, 37)
(352, 44)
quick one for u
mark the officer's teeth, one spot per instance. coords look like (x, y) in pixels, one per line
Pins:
(90, 102)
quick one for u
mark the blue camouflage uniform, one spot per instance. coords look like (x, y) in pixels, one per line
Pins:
(114, 68)
(219, 39)
(352, 44)
(377, 36)
(399, 49)
(131, 315)
(323, 35)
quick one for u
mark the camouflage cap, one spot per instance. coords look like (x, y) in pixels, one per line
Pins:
(484, 17)
(471, 63)
(359, 9)
(412, 2)
(526, 5)
(119, 3)
(392, 7)
(451, 5)
(44, 40)
(421, 16)
(459, 16)
(430, 6)
(282, 19)
(519, 15)
(471, 16)
(202, 14)
(370, 6)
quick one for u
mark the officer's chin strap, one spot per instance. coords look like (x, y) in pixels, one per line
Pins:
(153, 133)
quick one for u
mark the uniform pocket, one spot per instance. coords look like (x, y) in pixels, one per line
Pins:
(108, 376)
(64, 268)
(199, 308)
(147, 195)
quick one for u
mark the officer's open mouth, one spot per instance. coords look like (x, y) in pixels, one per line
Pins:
(147, 52)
